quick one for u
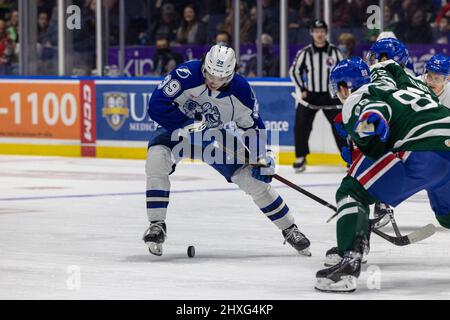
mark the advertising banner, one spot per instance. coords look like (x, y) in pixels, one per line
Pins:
(122, 109)
(139, 60)
(39, 109)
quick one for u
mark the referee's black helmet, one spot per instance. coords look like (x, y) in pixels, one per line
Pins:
(319, 24)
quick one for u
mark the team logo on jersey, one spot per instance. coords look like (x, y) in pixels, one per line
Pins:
(183, 72)
(364, 102)
(210, 112)
(447, 143)
(330, 62)
(115, 109)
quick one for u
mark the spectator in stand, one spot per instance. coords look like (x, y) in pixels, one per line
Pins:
(46, 6)
(252, 26)
(4, 40)
(42, 27)
(165, 60)
(223, 38)
(303, 17)
(13, 29)
(306, 13)
(270, 64)
(341, 14)
(167, 26)
(191, 30)
(347, 44)
(444, 12)
(415, 30)
(271, 23)
(5, 8)
(441, 32)
(46, 51)
(84, 42)
(6, 50)
(247, 27)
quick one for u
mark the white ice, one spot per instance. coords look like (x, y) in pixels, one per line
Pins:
(71, 228)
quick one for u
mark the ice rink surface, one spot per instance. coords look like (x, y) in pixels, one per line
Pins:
(71, 228)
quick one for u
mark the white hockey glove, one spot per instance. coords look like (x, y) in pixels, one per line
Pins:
(298, 96)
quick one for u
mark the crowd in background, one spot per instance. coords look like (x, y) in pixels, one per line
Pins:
(168, 24)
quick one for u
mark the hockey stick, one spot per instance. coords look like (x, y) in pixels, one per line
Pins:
(399, 239)
(415, 236)
(245, 160)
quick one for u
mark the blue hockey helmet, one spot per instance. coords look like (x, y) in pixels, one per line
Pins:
(439, 64)
(391, 48)
(352, 72)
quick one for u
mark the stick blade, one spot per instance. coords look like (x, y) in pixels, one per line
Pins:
(421, 234)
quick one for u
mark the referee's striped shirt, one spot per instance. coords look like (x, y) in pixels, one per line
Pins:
(312, 66)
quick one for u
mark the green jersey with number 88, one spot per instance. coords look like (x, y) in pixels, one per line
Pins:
(417, 121)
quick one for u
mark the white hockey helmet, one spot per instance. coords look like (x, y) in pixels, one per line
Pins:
(386, 34)
(220, 62)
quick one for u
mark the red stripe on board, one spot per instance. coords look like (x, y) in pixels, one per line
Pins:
(88, 129)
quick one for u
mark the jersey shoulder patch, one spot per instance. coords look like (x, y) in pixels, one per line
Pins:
(241, 89)
(189, 74)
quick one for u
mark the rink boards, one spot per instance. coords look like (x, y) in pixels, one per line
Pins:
(107, 118)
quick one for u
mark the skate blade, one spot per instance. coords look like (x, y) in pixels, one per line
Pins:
(300, 170)
(154, 248)
(347, 284)
(305, 252)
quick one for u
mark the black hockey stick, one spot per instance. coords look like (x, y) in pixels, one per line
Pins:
(246, 160)
(414, 236)
(399, 239)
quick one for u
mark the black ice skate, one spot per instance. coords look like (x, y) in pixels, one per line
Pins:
(298, 240)
(332, 256)
(382, 212)
(299, 165)
(341, 277)
(154, 237)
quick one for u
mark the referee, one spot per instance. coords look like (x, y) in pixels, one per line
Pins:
(310, 72)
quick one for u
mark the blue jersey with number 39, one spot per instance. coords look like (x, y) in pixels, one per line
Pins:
(183, 94)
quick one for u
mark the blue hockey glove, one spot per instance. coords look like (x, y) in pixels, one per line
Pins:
(346, 154)
(264, 169)
(372, 123)
(339, 126)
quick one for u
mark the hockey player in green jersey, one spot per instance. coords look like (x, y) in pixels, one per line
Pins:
(404, 135)
(388, 76)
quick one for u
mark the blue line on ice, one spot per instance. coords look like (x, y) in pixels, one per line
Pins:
(143, 193)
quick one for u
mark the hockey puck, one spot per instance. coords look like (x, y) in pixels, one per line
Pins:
(191, 251)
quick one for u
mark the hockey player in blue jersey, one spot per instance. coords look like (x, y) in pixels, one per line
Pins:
(437, 71)
(206, 95)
